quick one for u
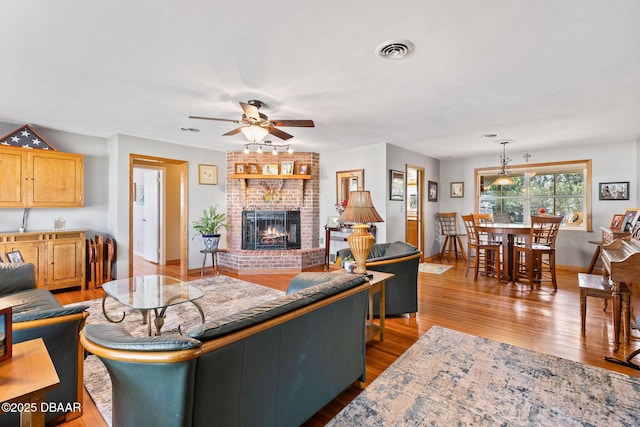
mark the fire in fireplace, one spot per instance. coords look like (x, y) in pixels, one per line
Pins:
(270, 229)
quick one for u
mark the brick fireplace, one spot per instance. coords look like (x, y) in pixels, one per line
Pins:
(272, 193)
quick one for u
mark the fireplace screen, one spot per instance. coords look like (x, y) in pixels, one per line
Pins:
(270, 229)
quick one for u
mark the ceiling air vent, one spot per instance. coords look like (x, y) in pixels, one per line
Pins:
(394, 49)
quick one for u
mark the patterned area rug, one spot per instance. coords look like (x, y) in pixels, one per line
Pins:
(450, 378)
(427, 267)
(223, 296)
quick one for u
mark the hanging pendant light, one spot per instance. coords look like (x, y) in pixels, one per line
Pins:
(503, 176)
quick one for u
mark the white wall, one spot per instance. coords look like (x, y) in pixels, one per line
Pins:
(610, 163)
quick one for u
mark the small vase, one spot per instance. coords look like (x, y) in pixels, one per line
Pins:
(211, 241)
(349, 266)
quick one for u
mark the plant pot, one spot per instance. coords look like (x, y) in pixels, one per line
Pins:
(211, 241)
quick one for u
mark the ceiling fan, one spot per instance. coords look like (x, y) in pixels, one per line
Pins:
(255, 125)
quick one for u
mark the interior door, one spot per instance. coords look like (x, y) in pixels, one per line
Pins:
(151, 218)
(414, 219)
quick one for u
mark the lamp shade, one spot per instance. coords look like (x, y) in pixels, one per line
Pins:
(503, 180)
(360, 209)
(254, 133)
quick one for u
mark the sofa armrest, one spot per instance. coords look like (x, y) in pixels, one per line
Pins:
(48, 314)
(113, 337)
(16, 277)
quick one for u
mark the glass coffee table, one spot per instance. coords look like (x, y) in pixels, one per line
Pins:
(146, 293)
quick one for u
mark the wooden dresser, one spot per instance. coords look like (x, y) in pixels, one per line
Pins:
(59, 257)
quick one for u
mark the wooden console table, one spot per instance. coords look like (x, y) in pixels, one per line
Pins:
(330, 235)
(26, 377)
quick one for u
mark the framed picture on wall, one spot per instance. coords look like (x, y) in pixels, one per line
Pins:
(457, 190)
(613, 190)
(207, 174)
(5, 334)
(432, 195)
(396, 185)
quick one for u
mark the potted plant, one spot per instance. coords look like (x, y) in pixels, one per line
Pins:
(209, 225)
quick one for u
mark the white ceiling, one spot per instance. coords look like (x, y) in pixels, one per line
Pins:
(540, 73)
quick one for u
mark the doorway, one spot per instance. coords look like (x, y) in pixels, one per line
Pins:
(414, 217)
(157, 214)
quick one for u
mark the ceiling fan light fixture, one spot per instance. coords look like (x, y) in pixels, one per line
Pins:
(290, 149)
(254, 133)
(274, 151)
(259, 150)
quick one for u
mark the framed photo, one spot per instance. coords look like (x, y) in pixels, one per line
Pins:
(629, 218)
(432, 195)
(613, 191)
(1, 260)
(14, 257)
(240, 168)
(396, 185)
(303, 169)
(457, 190)
(207, 174)
(252, 168)
(270, 169)
(286, 168)
(332, 221)
(616, 221)
(5, 334)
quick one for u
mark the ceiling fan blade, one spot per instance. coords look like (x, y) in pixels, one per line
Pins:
(277, 132)
(250, 111)
(213, 118)
(294, 123)
(233, 132)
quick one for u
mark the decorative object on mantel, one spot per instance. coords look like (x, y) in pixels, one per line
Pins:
(272, 194)
(26, 137)
(503, 176)
(360, 210)
(209, 225)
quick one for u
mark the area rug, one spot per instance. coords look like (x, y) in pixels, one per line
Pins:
(427, 267)
(450, 378)
(223, 296)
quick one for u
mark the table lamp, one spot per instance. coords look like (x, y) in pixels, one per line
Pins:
(360, 211)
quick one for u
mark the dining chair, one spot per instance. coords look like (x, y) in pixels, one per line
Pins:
(534, 259)
(483, 252)
(486, 219)
(449, 229)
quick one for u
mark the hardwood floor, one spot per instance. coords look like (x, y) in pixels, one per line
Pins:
(539, 320)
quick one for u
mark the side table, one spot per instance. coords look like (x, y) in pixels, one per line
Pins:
(377, 283)
(26, 377)
(214, 259)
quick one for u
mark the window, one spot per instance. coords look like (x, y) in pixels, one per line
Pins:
(562, 188)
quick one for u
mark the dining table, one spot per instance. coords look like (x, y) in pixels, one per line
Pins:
(507, 233)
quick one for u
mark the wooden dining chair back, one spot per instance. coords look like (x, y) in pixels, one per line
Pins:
(483, 254)
(535, 259)
(486, 219)
(449, 228)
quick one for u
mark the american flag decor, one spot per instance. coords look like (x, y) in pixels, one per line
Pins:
(26, 137)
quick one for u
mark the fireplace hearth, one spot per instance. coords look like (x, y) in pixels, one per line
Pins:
(270, 230)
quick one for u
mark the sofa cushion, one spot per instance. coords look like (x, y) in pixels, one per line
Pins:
(16, 277)
(276, 307)
(111, 336)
